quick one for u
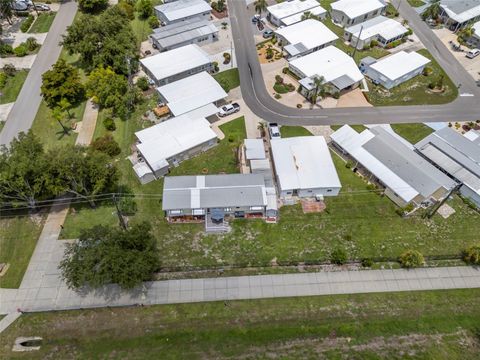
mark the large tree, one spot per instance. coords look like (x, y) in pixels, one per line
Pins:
(62, 82)
(320, 89)
(144, 8)
(23, 171)
(91, 6)
(104, 255)
(260, 6)
(104, 40)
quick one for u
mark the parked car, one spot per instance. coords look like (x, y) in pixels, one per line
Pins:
(19, 6)
(472, 53)
(267, 34)
(255, 18)
(274, 131)
(228, 109)
(42, 7)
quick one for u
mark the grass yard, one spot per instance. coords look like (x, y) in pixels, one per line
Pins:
(42, 23)
(412, 132)
(416, 3)
(326, 4)
(415, 91)
(12, 87)
(416, 325)
(292, 131)
(18, 237)
(357, 128)
(140, 27)
(231, 76)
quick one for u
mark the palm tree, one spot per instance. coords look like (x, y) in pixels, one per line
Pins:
(465, 34)
(308, 15)
(320, 89)
(260, 6)
(432, 11)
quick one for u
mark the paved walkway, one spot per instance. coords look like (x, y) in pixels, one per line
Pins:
(89, 121)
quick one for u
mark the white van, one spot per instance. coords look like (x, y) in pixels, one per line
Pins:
(472, 53)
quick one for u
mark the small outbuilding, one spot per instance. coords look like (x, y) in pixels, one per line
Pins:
(381, 29)
(290, 12)
(177, 64)
(304, 167)
(192, 31)
(395, 69)
(254, 149)
(305, 37)
(351, 12)
(182, 10)
(197, 95)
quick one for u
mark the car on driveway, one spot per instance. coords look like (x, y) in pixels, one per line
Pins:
(274, 131)
(472, 53)
(228, 109)
(255, 18)
(267, 34)
(42, 7)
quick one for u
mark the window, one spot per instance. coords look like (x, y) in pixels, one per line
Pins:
(256, 208)
(227, 209)
(329, 190)
(176, 212)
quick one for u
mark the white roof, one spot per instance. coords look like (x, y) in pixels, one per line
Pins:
(304, 162)
(472, 135)
(352, 142)
(380, 25)
(183, 8)
(176, 61)
(288, 8)
(476, 28)
(397, 65)
(330, 62)
(169, 138)
(356, 8)
(317, 11)
(254, 149)
(142, 169)
(467, 10)
(310, 33)
(191, 93)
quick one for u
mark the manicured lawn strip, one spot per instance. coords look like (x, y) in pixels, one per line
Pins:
(412, 132)
(12, 87)
(292, 131)
(140, 27)
(18, 237)
(230, 75)
(430, 325)
(414, 91)
(42, 23)
(357, 128)
(416, 3)
(326, 4)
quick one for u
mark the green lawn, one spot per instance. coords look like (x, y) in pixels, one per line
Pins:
(326, 4)
(18, 237)
(140, 27)
(292, 131)
(412, 132)
(415, 91)
(416, 3)
(231, 76)
(416, 325)
(42, 23)
(12, 87)
(357, 128)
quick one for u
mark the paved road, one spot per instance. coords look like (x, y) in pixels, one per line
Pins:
(263, 105)
(26, 106)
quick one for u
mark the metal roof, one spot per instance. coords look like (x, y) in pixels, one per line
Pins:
(380, 25)
(461, 10)
(400, 64)
(184, 31)
(183, 8)
(316, 11)
(254, 149)
(191, 93)
(356, 8)
(286, 9)
(209, 191)
(304, 162)
(176, 61)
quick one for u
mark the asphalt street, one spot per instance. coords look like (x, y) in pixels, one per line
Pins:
(26, 106)
(465, 108)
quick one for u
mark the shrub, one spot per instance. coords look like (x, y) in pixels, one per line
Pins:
(427, 71)
(109, 124)
(291, 87)
(285, 70)
(20, 50)
(336, 95)
(411, 259)
(278, 79)
(215, 66)
(409, 32)
(107, 145)
(471, 255)
(269, 53)
(338, 256)
(3, 80)
(373, 43)
(153, 22)
(409, 208)
(9, 69)
(31, 44)
(277, 96)
(349, 165)
(281, 88)
(367, 262)
(142, 83)
(22, 13)
(128, 8)
(5, 49)
(27, 23)
(127, 205)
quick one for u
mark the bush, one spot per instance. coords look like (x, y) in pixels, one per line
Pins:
(336, 95)
(408, 208)
(338, 256)
(226, 58)
(367, 262)
(285, 70)
(107, 145)
(20, 50)
(471, 255)
(349, 165)
(278, 79)
(127, 205)
(427, 71)
(109, 124)
(9, 70)
(153, 22)
(27, 23)
(373, 43)
(277, 96)
(143, 84)
(128, 8)
(409, 32)
(411, 259)
(31, 44)
(3, 80)
(5, 49)
(22, 13)
(215, 66)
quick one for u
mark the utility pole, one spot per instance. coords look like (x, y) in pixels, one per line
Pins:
(398, 7)
(119, 214)
(358, 40)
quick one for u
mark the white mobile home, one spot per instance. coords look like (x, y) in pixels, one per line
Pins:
(380, 29)
(182, 10)
(291, 11)
(459, 13)
(351, 12)
(395, 69)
